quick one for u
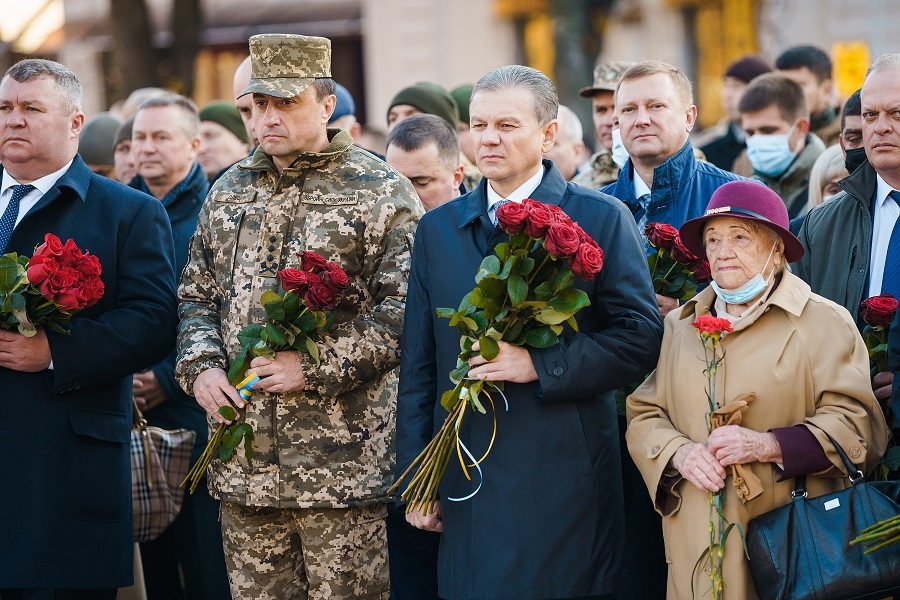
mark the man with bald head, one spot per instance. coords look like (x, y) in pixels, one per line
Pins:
(568, 149)
(244, 103)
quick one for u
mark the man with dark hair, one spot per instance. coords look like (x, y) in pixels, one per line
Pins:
(728, 144)
(810, 68)
(425, 150)
(546, 524)
(305, 516)
(423, 97)
(852, 242)
(779, 144)
(165, 138)
(851, 133)
(66, 527)
(603, 169)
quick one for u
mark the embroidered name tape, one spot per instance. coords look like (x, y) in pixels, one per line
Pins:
(328, 199)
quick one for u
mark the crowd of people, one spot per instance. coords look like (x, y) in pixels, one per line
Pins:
(794, 200)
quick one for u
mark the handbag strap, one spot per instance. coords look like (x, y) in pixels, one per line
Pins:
(139, 423)
(854, 474)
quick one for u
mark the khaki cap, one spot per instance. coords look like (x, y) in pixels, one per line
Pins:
(283, 65)
(606, 78)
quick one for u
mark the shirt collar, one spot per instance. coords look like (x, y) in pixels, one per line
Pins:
(520, 193)
(43, 184)
(882, 190)
(640, 187)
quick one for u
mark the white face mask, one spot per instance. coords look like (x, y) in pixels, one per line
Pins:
(619, 154)
(748, 291)
(770, 153)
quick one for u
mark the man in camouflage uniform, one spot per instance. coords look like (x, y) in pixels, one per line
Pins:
(603, 170)
(305, 517)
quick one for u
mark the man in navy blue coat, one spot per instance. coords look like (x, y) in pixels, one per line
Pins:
(65, 400)
(548, 520)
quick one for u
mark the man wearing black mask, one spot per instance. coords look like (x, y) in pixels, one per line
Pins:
(851, 139)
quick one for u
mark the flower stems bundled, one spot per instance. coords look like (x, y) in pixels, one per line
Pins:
(294, 319)
(524, 295)
(883, 534)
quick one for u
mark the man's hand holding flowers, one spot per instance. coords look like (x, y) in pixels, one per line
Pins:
(25, 354)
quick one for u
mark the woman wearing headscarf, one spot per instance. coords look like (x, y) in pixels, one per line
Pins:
(795, 370)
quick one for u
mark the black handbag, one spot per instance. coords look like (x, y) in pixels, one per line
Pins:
(802, 551)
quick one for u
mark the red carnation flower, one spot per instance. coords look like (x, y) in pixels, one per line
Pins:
(712, 326)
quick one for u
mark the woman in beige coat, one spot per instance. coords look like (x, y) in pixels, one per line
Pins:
(802, 357)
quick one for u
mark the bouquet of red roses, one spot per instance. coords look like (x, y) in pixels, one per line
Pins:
(294, 318)
(524, 294)
(675, 270)
(48, 288)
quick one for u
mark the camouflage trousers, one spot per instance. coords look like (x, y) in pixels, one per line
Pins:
(300, 553)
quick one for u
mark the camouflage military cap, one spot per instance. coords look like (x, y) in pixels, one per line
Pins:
(284, 65)
(606, 78)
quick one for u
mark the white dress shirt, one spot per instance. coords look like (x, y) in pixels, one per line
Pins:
(42, 186)
(520, 193)
(886, 213)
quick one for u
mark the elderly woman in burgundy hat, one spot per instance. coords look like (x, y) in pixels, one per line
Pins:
(795, 371)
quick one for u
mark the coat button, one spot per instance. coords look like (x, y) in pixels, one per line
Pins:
(854, 452)
(77, 385)
(69, 388)
(558, 371)
(654, 449)
(271, 248)
(272, 238)
(61, 390)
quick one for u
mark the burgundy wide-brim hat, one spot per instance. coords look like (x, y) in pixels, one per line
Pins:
(748, 200)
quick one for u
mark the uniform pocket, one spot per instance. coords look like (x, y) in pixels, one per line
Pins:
(98, 473)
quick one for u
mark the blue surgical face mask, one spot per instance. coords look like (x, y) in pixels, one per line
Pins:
(770, 153)
(750, 290)
(619, 154)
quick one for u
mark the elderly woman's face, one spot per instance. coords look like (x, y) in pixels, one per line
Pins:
(737, 250)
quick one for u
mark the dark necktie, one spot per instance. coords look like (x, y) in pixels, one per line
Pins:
(8, 220)
(890, 281)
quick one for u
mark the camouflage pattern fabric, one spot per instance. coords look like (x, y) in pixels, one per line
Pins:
(284, 65)
(603, 171)
(330, 553)
(331, 444)
(471, 175)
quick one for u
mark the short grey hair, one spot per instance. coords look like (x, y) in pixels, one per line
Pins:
(885, 62)
(543, 92)
(190, 122)
(67, 84)
(569, 124)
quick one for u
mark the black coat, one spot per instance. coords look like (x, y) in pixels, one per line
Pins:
(548, 521)
(65, 508)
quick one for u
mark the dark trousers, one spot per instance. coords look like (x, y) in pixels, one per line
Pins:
(194, 543)
(645, 572)
(413, 558)
(58, 594)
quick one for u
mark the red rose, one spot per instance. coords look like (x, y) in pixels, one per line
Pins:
(588, 261)
(40, 267)
(712, 326)
(295, 279)
(52, 246)
(71, 254)
(59, 282)
(334, 277)
(319, 296)
(559, 214)
(681, 253)
(512, 217)
(89, 266)
(539, 219)
(562, 239)
(311, 261)
(878, 311)
(661, 235)
(90, 292)
(68, 300)
(700, 271)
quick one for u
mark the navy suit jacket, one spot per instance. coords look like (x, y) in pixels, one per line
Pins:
(65, 508)
(548, 520)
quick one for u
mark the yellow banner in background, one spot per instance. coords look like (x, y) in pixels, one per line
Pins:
(850, 60)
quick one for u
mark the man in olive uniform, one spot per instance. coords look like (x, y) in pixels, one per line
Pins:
(304, 518)
(603, 170)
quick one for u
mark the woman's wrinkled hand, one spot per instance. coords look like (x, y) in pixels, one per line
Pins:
(736, 445)
(700, 467)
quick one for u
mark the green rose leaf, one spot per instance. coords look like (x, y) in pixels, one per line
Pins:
(477, 298)
(489, 348)
(549, 316)
(238, 367)
(313, 350)
(508, 265)
(489, 266)
(541, 337)
(273, 304)
(291, 307)
(228, 412)
(517, 289)
(543, 291)
(502, 250)
(250, 334)
(526, 266)
(445, 313)
(276, 336)
(492, 288)
(306, 322)
(570, 300)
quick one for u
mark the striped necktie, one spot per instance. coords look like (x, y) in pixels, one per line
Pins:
(8, 220)
(890, 281)
(493, 211)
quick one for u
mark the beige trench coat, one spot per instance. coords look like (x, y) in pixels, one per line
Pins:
(805, 360)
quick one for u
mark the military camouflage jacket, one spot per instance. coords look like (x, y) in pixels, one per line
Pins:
(331, 444)
(603, 171)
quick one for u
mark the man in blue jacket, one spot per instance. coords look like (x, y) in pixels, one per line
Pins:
(547, 522)
(165, 141)
(66, 528)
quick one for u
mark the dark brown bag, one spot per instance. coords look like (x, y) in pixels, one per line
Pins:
(159, 462)
(802, 551)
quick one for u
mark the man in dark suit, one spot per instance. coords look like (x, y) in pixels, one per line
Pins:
(65, 405)
(548, 521)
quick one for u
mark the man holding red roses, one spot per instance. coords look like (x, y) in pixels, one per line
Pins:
(548, 521)
(65, 409)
